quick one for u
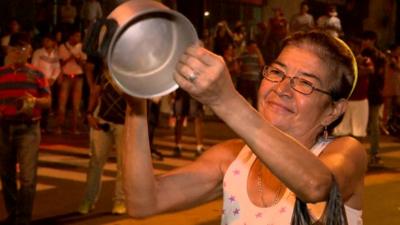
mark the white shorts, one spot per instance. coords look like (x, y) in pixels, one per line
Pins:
(355, 120)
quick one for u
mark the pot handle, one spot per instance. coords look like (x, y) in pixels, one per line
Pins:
(97, 42)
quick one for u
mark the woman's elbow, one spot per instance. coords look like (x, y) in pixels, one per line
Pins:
(136, 214)
(317, 191)
(139, 212)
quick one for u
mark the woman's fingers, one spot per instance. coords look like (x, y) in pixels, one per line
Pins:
(185, 71)
(201, 54)
(202, 74)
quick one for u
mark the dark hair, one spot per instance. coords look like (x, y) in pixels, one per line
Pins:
(303, 3)
(70, 31)
(369, 35)
(368, 52)
(250, 42)
(19, 39)
(335, 53)
(49, 35)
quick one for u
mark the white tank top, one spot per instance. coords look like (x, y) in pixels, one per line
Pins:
(238, 208)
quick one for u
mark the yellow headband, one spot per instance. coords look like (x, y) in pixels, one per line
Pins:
(354, 64)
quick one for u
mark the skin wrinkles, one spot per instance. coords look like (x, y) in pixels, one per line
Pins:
(289, 110)
(299, 74)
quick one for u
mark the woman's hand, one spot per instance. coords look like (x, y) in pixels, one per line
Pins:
(205, 76)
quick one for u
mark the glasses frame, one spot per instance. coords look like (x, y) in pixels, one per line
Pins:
(18, 49)
(291, 81)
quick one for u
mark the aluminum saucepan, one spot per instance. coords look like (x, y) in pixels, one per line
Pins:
(142, 43)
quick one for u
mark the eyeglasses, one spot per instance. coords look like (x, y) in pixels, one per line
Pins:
(298, 84)
(19, 49)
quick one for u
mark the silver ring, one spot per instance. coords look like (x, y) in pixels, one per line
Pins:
(192, 77)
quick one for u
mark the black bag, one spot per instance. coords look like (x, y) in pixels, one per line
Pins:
(334, 212)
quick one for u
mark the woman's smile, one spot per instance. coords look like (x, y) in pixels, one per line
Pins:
(279, 107)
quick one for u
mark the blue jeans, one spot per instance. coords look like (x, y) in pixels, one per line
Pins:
(101, 144)
(19, 143)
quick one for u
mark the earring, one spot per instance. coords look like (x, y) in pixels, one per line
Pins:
(326, 133)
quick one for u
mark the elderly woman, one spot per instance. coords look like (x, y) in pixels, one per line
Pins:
(283, 152)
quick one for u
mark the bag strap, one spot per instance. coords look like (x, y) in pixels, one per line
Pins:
(334, 212)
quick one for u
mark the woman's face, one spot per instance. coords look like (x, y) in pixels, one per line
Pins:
(297, 114)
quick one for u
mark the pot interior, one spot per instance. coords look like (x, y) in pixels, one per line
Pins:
(145, 51)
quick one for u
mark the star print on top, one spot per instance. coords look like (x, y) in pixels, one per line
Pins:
(238, 208)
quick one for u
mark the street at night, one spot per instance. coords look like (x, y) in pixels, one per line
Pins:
(119, 112)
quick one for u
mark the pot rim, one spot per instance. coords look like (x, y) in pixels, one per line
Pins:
(155, 8)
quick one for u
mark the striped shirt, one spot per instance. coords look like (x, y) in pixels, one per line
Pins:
(16, 83)
(250, 67)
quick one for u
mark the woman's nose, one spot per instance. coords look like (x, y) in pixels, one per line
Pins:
(284, 87)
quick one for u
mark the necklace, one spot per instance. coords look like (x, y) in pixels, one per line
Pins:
(260, 190)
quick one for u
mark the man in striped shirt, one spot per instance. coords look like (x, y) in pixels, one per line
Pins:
(24, 92)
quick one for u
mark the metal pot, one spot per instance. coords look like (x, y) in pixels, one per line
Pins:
(142, 44)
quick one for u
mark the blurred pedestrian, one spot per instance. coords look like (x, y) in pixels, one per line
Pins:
(232, 62)
(71, 80)
(186, 108)
(303, 20)
(105, 116)
(239, 35)
(355, 119)
(91, 11)
(223, 37)
(375, 89)
(391, 88)
(23, 96)
(153, 114)
(47, 60)
(13, 26)
(251, 63)
(261, 37)
(330, 21)
(68, 15)
(278, 29)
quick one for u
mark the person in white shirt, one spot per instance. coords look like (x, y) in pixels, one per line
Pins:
(47, 60)
(330, 22)
(302, 21)
(71, 81)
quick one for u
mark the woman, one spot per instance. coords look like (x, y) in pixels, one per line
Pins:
(72, 60)
(283, 153)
